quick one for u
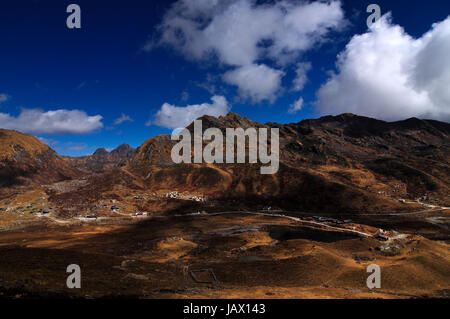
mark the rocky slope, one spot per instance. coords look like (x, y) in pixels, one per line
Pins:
(344, 163)
(334, 162)
(24, 160)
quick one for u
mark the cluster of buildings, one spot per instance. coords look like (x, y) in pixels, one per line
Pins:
(175, 194)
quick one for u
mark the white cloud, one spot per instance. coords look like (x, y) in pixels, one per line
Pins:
(51, 122)
(387, 74)
(296, 106)
(3, 97)
(304, 25)
(171, 116)
(257, 82)
(123, 118)
(301, 78)
(239, 33)
(234, 29)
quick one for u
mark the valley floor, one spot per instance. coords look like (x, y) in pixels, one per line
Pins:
(241, 254)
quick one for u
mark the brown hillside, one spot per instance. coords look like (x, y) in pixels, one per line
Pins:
(331, 163)
(25, 160)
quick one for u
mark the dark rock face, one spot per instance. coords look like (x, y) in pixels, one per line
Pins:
(123, 153)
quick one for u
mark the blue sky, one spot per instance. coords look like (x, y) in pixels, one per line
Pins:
(118, 65)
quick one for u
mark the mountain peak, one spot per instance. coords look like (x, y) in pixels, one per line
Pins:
(231, 120)
(232, 115)
(123, 150)
(100, 152)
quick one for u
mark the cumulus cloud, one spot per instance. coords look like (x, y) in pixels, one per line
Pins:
(296, 106)
(171, 116)
(123, 118)
(257, 82)
(239, 33)
(233, 30)
(387, 74)
(61, 121)
(3, 97)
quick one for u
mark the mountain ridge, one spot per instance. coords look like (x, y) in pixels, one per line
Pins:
(344, 162)
(102, 160)
(357, 153)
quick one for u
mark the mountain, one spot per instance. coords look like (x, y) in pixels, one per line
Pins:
(102, 160)
(24, 160)
(344, 162)
(413, 154)
(354, 169)
(334, 164)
